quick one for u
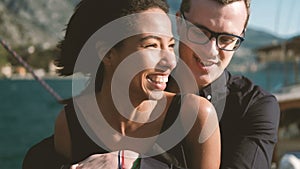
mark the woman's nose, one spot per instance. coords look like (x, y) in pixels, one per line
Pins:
(168, 60)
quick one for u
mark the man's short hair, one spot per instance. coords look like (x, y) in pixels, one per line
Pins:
(185, 6)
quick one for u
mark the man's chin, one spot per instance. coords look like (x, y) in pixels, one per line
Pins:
(204, 80)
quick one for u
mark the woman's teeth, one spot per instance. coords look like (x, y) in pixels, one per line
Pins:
(158, 78)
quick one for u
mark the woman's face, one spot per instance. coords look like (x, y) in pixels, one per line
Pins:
(144, 62)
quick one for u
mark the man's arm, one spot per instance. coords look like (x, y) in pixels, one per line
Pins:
(254, 148)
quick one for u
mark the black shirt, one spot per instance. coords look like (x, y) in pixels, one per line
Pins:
(43, 154)
(83, 146)
(248, 118)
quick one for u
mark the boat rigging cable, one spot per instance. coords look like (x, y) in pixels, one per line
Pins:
(30, 70)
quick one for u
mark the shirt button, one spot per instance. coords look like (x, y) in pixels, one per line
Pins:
(208, 97)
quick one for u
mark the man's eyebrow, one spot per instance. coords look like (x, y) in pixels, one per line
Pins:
(206, 28)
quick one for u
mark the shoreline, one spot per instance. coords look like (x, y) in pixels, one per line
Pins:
(45, 77)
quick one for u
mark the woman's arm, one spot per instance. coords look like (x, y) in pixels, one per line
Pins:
(203, 139)
(62, 139)
(52, 152)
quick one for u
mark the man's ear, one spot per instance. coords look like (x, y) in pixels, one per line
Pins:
(244, 32)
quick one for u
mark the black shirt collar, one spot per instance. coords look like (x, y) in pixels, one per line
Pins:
(217, 92)
(219, 86)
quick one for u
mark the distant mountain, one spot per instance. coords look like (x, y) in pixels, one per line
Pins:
(28, 22)
(41, 23)
(257, 38)
(245, 58)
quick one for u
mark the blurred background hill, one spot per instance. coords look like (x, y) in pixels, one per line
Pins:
(33, 28)
(34, 22)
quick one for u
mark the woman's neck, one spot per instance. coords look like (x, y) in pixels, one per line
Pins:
(122, 115)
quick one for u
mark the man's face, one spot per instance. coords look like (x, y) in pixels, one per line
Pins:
(207, 61)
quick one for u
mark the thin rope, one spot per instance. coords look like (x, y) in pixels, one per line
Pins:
(30, 70)
(183, 155)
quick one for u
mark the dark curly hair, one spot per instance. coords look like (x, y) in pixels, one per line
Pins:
(89, 16)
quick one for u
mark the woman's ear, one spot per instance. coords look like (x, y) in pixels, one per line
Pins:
(111, 58)
(104, 53)
(179, 22)
(107, 59)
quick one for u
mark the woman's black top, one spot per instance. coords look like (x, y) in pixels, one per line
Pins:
(43, 154)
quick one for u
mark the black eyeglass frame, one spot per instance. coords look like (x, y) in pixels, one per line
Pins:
(213, 35)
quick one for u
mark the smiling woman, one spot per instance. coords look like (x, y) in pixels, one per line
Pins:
(124, 117)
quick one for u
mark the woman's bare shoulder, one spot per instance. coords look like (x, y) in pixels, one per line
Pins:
(198, 103)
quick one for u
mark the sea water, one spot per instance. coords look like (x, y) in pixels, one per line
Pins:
(27, 114)
(28, 111)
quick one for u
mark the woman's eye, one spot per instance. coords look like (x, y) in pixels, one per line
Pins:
(172, 45)
(153, 45)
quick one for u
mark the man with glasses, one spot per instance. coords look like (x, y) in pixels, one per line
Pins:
(210, 32)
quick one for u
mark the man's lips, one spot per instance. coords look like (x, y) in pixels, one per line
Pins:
(205, 63)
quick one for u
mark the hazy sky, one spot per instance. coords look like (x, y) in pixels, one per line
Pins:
(279, 17)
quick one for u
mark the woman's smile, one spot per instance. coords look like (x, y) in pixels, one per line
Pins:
(157, 81)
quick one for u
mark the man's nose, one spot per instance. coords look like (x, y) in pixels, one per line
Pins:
(209, 50)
